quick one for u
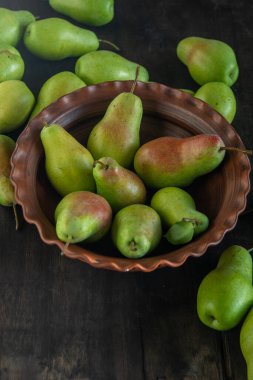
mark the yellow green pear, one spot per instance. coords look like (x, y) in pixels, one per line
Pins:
(68, 164)
(11, 63)
(56, 86)
(91, 12)
(16, 104)
(246, 343)
(13, 24)
(7, 146)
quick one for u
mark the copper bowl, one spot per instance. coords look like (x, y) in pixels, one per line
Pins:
(167, 111)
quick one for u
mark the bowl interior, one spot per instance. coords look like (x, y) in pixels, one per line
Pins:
(221, 194)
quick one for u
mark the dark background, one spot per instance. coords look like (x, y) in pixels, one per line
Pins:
(62, 319)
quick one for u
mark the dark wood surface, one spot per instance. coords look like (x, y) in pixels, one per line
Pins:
(61, 319)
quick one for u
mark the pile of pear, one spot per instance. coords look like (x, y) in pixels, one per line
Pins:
(114, 169)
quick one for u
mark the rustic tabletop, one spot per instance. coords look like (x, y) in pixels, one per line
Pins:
(61, 319)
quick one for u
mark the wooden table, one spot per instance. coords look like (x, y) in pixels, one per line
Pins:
(62, 319)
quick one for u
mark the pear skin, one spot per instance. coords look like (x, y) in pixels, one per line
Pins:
(55, 39)
(117, 135)
(56, 86)
(220, 97)
(226, 293)
(97, 13)
(82, 215)
(246, 343)
(136, 230)
(208, 60)
(11, 63)
(7, 146)
(68, 163)
(119, 186)
(14, 95)
(13, 24)
(103, 65)
(170, 161)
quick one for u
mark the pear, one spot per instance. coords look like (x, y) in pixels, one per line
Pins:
(226, 293)
(56, 86)
(13, 24)
(16, 104)
(220, 97)
(103, 65)
(82, 215)
(11, 63)
(246, 343)
(170, 161)
(136, 230)
(55, 39)
(117, 135)
(119, 186)
(91, 12)
(7, 146)
(68, 163)
(177, 210)
(208, 60)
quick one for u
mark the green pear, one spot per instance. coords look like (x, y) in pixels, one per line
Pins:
(177, 210)
(117, 135)
(220, 97)
(56, 86)
(55, 38)
(11, 63)
(136, 230)
(68, 163)
(246, 343)
(82, 215)
(208, 60)
(13, 24)
(7, 146)
(226, 293)
(102, 66)
(119, 186)
(91, 12)
(180, 233)
(16, 104)
(170, 161)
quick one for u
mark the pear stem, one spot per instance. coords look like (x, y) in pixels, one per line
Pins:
(16, 216)
(110, 43)
(133, 245)
(45, 123)
(66, 246)
(234, 149)
(104, 166)
(250, 250)
(135, 80)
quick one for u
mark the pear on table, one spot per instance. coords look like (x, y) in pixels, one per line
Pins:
(55, 39)
(121, 187)
(97, 13)
(136, 230)
(13, 24)
(7, 146)
(170, 161)
(82, 216)
(14, 95)
(103, 66)
(68, 164)
(226, 293)
(208, 60)
(246, 343)
(11, 63)
(56, 86)
(117, 135)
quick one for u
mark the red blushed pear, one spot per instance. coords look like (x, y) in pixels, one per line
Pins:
(82, 215)
(170, 161)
